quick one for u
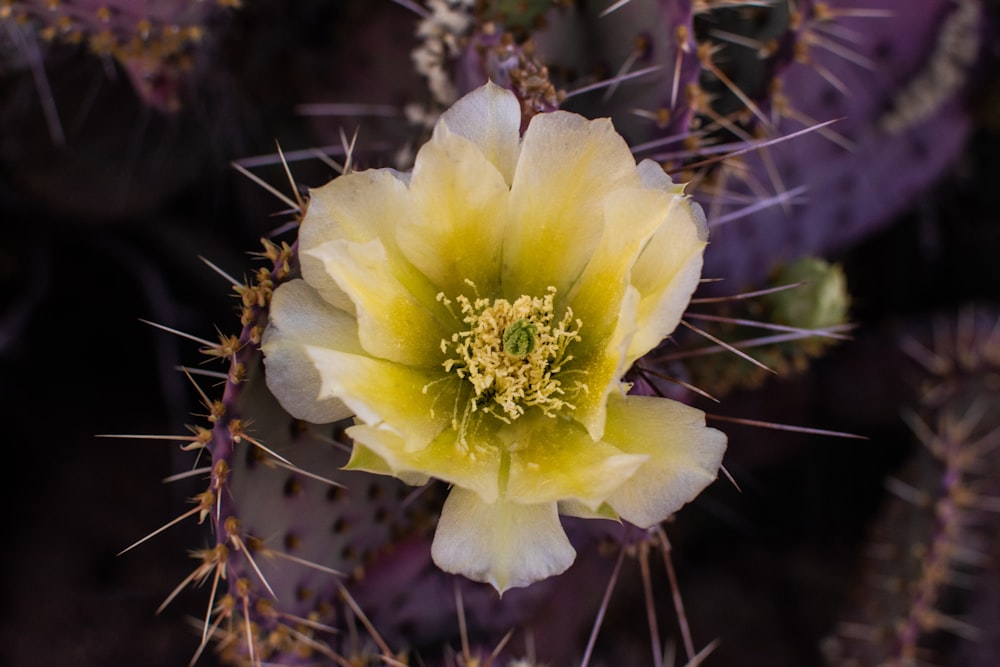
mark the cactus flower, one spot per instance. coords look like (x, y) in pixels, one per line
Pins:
(476, 316)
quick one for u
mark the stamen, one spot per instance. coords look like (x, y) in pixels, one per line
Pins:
(510, 355)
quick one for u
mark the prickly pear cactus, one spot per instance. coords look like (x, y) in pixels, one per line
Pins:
(886, 150)
(924, 589)
(153, 41)
(882, 98)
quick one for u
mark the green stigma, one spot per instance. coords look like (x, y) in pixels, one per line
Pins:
(519, 338)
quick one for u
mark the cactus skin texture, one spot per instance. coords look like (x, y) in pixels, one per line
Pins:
(926, 592)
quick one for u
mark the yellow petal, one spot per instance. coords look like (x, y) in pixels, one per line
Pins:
(684, 455)
(383, 393)
(505, 544)
(603, 297)
(365, 459)
(299, 319)
(478, 472)
(358, 207)
(567, 165)
(602, 368)
(556, 459)
(666, 274)
(393, 323)
(463, 199)
(489, 117)
(631, 217)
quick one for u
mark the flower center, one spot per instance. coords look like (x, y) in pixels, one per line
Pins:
(512, 354)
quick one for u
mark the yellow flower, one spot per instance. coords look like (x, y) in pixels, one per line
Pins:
(476, 316)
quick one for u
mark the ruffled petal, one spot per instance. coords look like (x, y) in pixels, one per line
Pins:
(393, 323)
(358, 207)
(566, 168)
(603, 297)
(404, 400)
(632, 215)
(556, 459)
(464, 198)
(685, 455)
(666, 274)
(476, 469)
(299, 319)
(505, 544)
(489, 117)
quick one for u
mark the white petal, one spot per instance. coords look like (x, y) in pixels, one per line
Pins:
(365, 459)
(489, 117)
(504, 544)
(685, 455)
(300, 318)
(582, 511)
(655, 178)
(632, 216)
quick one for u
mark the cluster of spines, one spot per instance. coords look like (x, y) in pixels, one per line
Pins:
(795, 320)
(936, 533)
(117, 27)
(244, 616)
(257, 628)
(728, 107)
(123, 29)
(700, 88)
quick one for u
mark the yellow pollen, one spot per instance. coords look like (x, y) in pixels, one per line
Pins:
(511, 355)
